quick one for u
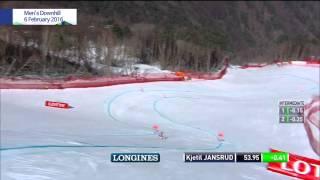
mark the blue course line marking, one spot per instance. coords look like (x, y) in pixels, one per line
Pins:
(112, 100)
(155, 108)
(108, 104)
(157, 111)
(209, 132)
(109, 112)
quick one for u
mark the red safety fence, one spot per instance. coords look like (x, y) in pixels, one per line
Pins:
(210, 75)
(305, 63)
(310, 63)
(312, 123)
(312, 59)
(82, 82)
(207, 76)
(85, 82)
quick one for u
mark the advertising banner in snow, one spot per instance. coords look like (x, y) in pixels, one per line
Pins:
(298, 167)
(57, 105)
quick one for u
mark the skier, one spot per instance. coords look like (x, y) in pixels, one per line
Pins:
(162, 136)
(156, 130)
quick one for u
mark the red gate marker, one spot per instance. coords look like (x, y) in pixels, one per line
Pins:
(220, 136)
(155, 127)
(298, 166)
(57, 105)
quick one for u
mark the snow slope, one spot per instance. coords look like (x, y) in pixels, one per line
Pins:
(46, 143)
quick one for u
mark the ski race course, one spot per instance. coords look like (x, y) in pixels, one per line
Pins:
(42, 143)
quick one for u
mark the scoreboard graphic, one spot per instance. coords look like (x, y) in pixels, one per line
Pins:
(291, 112)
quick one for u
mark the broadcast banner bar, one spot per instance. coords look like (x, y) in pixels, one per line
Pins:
(209, 157)
(236, 157)
(38, 16)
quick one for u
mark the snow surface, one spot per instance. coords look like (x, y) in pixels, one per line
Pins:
(40, 143)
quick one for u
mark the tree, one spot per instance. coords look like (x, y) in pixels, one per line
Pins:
(44, 47)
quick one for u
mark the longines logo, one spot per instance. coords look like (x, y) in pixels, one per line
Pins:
(135, 157)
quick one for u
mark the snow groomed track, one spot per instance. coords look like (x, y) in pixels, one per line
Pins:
(46, 143)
